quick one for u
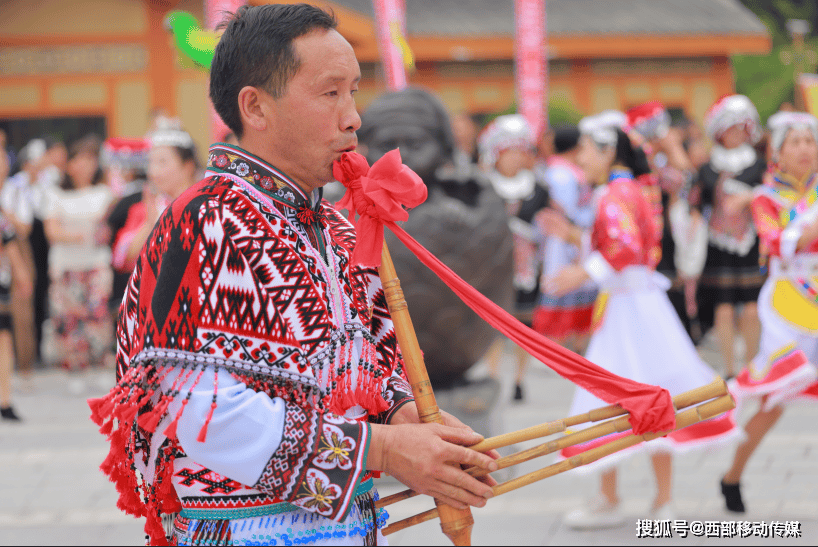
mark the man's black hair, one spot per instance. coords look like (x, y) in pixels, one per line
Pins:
(256, 50)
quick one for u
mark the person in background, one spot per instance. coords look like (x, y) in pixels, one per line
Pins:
(126, 161)
(172, 168)
(785, 210)
(637, 334)
(80, 262)
(52, 175)
(684, 232)
(19, 201)
(465, 133)
(732, 274)
(12, 270)
(56, 160)
(565, 319)
(507, 156)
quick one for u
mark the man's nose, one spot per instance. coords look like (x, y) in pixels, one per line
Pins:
(350, 119)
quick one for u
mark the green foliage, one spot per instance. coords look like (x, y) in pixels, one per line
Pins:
(775, 13)
(766, 79)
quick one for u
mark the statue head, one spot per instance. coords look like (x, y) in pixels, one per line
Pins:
(415, 122)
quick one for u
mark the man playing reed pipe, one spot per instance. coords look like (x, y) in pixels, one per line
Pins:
(259, 379)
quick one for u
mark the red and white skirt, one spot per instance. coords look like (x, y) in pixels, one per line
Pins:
(639, 336)
(560, 317)
(785, 367)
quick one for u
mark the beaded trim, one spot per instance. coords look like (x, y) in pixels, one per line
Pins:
(262, 511)
(234, 364)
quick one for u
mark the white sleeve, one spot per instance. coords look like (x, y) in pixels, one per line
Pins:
(789, 240)
(48, 203)
(598, 268)
(245, 431)
(690, 241)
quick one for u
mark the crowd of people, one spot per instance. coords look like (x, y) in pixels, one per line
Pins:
(74, 216)
(631, 241)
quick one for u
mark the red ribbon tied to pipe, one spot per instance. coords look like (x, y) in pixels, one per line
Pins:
(379, 194)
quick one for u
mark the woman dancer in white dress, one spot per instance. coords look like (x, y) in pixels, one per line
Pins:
(637, 333)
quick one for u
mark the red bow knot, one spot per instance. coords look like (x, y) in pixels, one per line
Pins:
(378, 195)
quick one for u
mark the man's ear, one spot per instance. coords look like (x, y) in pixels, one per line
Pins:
(253, 115)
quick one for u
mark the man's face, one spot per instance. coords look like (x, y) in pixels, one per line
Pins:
(315, 121)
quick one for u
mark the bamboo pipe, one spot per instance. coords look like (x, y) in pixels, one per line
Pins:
(686, 418)
(714, 389)
(456, 523)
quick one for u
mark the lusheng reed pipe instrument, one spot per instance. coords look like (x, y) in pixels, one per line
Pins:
(716, 388)
(700, 413)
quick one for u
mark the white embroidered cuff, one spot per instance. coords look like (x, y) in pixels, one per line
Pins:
(598, 268)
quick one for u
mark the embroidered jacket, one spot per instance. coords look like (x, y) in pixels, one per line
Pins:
(625, 231)
(777, 208)
(243, 320)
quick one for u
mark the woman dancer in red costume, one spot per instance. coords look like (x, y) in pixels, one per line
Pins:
(786, 217)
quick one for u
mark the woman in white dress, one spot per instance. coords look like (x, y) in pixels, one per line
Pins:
(637, 333)
(79, 262)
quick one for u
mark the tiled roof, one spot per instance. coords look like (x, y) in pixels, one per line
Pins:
(577, 17)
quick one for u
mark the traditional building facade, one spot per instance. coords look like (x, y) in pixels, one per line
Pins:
(65, 62)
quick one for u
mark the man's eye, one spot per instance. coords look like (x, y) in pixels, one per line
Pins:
(331, 93)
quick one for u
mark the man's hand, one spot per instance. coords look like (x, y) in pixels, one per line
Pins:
(424, 458)
(408, 414)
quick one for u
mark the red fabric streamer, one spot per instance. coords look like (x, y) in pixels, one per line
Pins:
(378, 195)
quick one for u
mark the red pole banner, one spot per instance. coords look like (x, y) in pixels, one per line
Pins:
(530, 62)
(215, 11)
(390, 18)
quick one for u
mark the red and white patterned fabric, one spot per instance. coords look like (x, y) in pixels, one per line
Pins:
(247, 278)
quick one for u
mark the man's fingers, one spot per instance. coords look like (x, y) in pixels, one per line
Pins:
(468, 457)
(462, 481)
(448, 501)
(452, 421)
(488, 480)
(460, 495)
(458, 435)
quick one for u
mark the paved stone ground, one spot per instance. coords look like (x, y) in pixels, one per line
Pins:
(51, 491)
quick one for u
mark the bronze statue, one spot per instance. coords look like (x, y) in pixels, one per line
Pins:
(463, 223)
